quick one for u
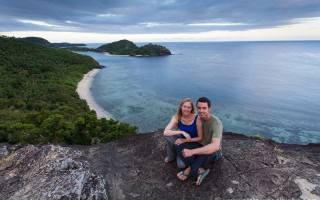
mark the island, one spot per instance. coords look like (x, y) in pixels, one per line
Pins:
(44, 42)
(126, 47)
(121, 47)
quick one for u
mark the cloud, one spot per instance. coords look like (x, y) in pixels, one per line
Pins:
(48, 25)
(153, 17)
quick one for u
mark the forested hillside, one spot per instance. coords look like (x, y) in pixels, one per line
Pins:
(126, 47)
(38, 99)
(42, 41)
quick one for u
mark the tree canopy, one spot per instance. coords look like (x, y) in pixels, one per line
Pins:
(38, 98)
(126, 47)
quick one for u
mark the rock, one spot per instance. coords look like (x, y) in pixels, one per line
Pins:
(169, 184)
(251, 168)
(134, 168)
(3, 152)
(134, 195)
(49, 172)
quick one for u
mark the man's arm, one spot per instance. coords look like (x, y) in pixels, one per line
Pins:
(208, 149)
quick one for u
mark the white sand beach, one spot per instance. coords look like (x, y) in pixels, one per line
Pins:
(84, 92)
(108, 54)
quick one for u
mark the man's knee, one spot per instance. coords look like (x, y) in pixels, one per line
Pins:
(217, 156)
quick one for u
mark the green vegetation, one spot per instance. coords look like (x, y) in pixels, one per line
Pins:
(44, 42)
(126, 47)
(153, 50)
(38, 99)
(36, 40)
(121, 47)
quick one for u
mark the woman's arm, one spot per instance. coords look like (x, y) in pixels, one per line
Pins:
(174, 124)
(195, 139)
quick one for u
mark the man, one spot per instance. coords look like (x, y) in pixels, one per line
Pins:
(195, 155)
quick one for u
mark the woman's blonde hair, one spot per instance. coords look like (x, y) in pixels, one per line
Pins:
(179, 114)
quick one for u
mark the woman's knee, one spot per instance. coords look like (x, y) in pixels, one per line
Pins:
(180, 163)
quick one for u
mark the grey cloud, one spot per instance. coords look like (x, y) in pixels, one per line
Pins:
(151, 16)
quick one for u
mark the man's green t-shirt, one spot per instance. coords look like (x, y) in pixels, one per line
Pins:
(212, 128)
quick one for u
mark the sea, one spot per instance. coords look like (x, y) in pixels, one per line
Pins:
(269, 89)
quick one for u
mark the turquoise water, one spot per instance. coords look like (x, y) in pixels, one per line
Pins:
(270, 89)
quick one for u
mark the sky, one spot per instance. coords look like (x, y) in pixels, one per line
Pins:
(98, 21)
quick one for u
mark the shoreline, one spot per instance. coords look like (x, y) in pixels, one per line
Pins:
(108, 54)
(84, 91)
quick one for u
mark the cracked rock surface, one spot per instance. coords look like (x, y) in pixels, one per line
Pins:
(133, 168)
(48, 172)
(252, 168)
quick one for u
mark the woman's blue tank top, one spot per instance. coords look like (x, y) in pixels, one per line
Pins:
(190, 129)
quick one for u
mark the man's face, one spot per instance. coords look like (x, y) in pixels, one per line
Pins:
(203, 110)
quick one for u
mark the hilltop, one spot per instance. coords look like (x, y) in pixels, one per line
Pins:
(38, 98)
(126, 47)
(44, 42)
(121, 47)
(133, 168)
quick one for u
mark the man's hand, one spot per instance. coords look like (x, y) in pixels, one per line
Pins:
(187, 152)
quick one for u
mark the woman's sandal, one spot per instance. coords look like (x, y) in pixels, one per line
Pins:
(183, 174)
(201, 176)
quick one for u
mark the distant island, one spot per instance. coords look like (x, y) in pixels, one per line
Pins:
(126, 47)
(45, 42)
(121, 47)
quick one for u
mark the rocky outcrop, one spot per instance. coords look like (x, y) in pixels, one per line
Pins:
(126, 47)
(49, 172)
(133, 168)
(252, 168)
(152, 50)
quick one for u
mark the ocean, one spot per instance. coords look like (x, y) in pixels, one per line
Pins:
(270, 89)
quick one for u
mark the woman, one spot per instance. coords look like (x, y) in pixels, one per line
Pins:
(185, 126)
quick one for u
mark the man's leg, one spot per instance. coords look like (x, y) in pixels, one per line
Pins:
(187, 145)
(200, 160)
(216, 157)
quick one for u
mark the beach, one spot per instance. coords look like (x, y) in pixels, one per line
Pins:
(83, 89)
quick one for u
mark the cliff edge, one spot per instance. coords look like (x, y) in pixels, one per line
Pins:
(133, 168)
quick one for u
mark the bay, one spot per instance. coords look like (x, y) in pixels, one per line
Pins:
(271, 89)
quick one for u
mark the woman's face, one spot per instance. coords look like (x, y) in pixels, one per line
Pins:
(186, 108)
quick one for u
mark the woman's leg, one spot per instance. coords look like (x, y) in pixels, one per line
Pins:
(171, 152)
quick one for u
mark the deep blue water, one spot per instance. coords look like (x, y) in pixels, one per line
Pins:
(270, 89)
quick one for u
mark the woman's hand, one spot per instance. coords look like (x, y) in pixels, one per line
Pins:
(179, 141)
(186, 135)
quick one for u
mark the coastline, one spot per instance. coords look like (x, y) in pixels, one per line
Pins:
(83, 89)
(108, 54)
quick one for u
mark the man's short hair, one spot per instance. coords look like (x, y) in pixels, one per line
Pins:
(204, 100)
